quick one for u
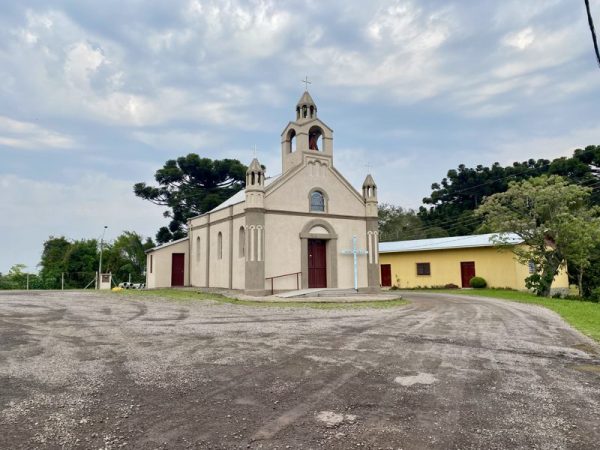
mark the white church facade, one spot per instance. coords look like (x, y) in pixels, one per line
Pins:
(289, 232)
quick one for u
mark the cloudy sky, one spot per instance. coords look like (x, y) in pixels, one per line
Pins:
(95, 96)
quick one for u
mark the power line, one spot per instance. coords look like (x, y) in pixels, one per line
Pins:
(454, 224)
(472, 220)
(530, 169)
(593, 31)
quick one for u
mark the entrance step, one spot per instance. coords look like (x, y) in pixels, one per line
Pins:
(324, 292)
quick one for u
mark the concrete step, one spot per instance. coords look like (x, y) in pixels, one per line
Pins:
(337, 293)
(319, 293)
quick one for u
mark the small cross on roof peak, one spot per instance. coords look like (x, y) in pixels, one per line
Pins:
(306, 83)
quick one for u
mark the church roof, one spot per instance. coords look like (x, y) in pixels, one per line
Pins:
(369, 181)
(445, 243)
(240, 196)
(306, 99)
(255, 166)
(158, 247)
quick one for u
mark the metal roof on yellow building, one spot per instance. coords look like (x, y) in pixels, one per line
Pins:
(445, 243)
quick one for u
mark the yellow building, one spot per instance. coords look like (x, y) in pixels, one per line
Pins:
(455, 260)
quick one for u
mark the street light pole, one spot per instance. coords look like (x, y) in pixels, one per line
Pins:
(100, 263)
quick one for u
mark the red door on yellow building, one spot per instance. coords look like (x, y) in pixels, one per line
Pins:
(467, 271)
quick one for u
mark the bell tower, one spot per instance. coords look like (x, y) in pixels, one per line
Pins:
(369, 191)
(255, 229)
(307, 137)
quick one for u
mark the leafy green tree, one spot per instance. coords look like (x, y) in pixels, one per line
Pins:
(54, 257)
(464, 189)
(189, 186)
(126, 256)
(399, 224)
(552, 217)
(15, 279)
(454, 199)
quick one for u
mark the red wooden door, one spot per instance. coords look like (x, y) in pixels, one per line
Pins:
(386, 275)
(467, 271)
(317, 263)
(177, 269)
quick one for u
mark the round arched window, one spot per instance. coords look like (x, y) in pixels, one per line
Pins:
(317, 201)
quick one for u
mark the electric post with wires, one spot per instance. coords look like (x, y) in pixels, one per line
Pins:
(104, 279)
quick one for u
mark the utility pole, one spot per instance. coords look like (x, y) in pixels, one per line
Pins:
(27, 281)
(100, 263)
(62, 281)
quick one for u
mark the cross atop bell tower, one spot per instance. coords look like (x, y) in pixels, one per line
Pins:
(307, 137)
(306, 83)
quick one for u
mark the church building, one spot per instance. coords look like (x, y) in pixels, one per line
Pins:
(302, 229)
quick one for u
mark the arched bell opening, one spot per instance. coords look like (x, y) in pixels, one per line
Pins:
(291, 141)
(315, 138)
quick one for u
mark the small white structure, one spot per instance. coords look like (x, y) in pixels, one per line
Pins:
(282, 233)
(105, 281)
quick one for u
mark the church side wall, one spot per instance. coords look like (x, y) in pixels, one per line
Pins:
(160, 275)
(198, 257)
(219, 261)
(239, 260)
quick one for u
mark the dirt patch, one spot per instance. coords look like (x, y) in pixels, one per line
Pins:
(88, 370)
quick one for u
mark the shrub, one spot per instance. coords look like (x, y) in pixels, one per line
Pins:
(451, 286)
(595, 294)
(477, 283)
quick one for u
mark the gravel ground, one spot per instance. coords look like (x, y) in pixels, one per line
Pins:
(89, 370)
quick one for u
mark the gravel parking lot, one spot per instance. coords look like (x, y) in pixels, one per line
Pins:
(89, 370)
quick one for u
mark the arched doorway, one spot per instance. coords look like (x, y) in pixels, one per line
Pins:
(319, 255)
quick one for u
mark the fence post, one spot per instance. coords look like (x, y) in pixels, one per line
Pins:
(62, 281)
(27, 281)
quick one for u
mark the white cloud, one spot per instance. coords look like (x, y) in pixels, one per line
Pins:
(33, 209)
(237, 29)
(402, 57)
(548, 146)
(81, 63)
(27, 135)
(521, 39)
(182, 141)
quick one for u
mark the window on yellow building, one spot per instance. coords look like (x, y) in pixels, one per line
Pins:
(423, 269)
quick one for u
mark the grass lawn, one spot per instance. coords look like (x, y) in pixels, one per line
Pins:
(584, 316)
(190, 295)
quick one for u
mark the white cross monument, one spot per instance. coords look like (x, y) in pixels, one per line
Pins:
(355, 252)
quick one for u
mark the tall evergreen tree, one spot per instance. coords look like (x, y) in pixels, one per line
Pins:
(189, 186)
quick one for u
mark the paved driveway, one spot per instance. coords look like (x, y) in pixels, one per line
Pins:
(100, 371)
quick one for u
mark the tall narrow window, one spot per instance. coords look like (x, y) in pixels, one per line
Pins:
(242, 243)
(317, 201)
(198, 249)
(150, 263)
(220, 246)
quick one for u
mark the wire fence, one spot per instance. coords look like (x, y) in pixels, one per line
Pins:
(64, 281)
